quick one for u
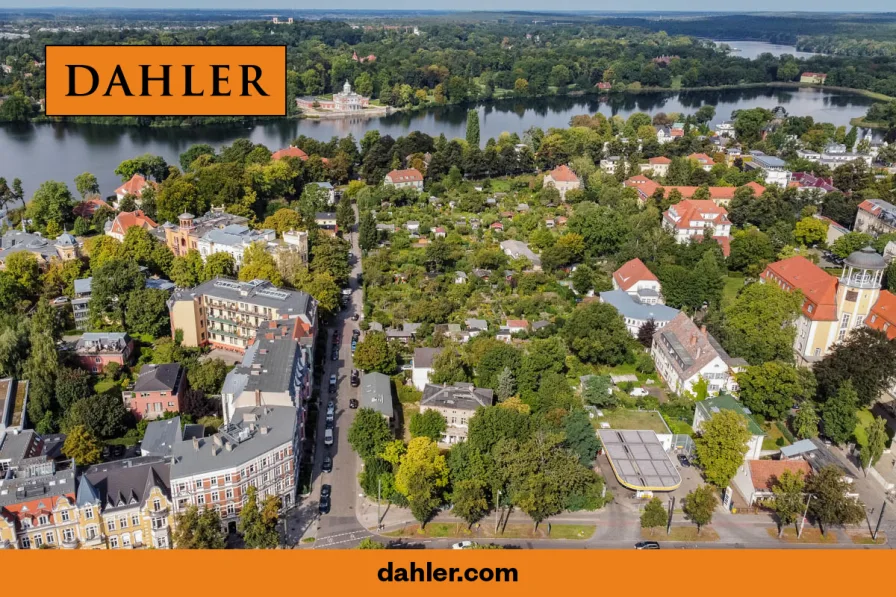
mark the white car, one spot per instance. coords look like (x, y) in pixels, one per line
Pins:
(638, 392)
(463, 545)
(328, 437)
(333, 379)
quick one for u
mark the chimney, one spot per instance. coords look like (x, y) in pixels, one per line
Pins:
(228, 446)
(196, 443)
(272, 325)
(257, 397)
(265, 429)
(693, 339)
(703, 329)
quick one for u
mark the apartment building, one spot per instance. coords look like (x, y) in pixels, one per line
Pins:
(457, 403)
(276, 369)
(37, 500)
(261, 446)
(401, 179)
(774, 170)
(226, 314)
(95, 350)
(233, 239)
(159, 389)
(185, 235)
(563, 179)
(875, 217)
(126, 504)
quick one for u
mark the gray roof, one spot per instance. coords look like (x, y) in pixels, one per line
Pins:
(376, 393)
(797, 448)
(123, 483)
(83, 285)
(325, 215)
(423, 357)
(629, 307)
(476, 324)
(103, 342)
(269, 364)
(235, 235)
(215, 218)
(160, 284)
(48, 485)
(257, 292)
(520, 249)
(639, 460)
(767, 161)
(16, 240)
(252, 432)
(156, 378)
(160, 437)
(323, 185)
(16, 447)
(460, 396)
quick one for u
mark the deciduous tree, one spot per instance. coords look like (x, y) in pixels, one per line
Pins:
(788, 501)
(830, 504)
(195, 529)
(82, 445)
(654, 514)
(699, 505)
(369, 433)
(721, 446)
(431, 424)
(772, 388)
(759, 324)
(839, 414)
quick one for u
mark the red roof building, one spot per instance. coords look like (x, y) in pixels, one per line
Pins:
(818, 287)
(764, 474)
(632, 272)
(720, 195)
(704, 160)
(85, 209)
(806, 180)
(695, 218)
(883, 314)
(289, 152)
(127, 219)
(134, 186)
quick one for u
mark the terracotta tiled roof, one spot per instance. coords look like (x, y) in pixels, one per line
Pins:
(517, 323)
(631, 273)
(883, 314)
(409, 175)
(88, 207)
(659, 160)
(725, 243)
(818, 286)
(701, 157)
(134, 186)
(764, 472)
(647, 187)
(127, 219)
(563, 174)
(689, 210)
(294, 152)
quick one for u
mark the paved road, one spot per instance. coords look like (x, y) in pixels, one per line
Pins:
(341, 525)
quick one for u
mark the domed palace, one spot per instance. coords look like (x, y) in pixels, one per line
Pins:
(345, 101)
(833, 306)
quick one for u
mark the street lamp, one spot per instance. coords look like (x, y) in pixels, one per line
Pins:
(805, 514)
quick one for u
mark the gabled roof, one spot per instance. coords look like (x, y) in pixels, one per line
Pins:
(765, 472)
(701, 157)
(409, 175)
(134, 186)
(659, 160)
(563, 173)
(818, 286)
(883, 314)
(692, 348)
(631, 273)
(689, 210)
(158, 378)
(424, 357)
(289, 152)
(126, 483)
(127, 219)
(646, 187)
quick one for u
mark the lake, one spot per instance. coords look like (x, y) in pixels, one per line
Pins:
(752, 49)
(39, 152)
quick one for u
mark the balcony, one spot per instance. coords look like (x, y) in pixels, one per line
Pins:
(71, 544)
(156, 514)
(95, 541)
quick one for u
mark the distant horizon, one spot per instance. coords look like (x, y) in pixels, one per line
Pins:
(461, 6)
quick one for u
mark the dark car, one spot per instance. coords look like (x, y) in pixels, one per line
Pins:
(332, 388)
(335, 355)
(330, 423)
(117, 451)
(353, 403)
(355, 316)
(683, 460)
(324, 506)
(647, 545)
(327, 466)
(325, 490)
(355, 378)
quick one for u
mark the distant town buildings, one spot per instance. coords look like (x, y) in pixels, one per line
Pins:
(233, 239)
(134, 187)
(516, 249)
(719, 195)
(63, 248)
(813, 78)
(875, 217)
(343, 101)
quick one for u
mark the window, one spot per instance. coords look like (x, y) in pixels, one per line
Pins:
(38, 541)
(122, 523)
(91, 532)
(51, 537)
(227, 478)
(135, 520)
(64, 515)
(228, 494)
(198, 484)
(214, 481)
(181, 487)
(110, 525)
(156, 505)
(170, 405)
(159, 523)
(844, 323)
(126, 540)
(162, 542)
(26, 523)
(231, 509)
(113, 542)
(68, 536)
(26, 543)
(873, 318)
(215, 496)
(88, 513)
(200, 499)
(43, 520)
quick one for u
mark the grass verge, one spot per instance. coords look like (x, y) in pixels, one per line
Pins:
(443, 530)
(809, 536)
(863, 538)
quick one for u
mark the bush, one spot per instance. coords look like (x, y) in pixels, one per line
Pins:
(407, 394)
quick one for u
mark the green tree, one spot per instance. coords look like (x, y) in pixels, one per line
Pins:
(367, 542)
(721, 446)
(772, 388)
(866, 358)
(473, 127)
(811, 231)
(789, 499)
(367, 233)
(654, 515)
(759, 324)
(849, 243)
(104, 415)
(208, 376)
(876, 443)
(23, 266)
(258, 522)
(345, 215)
(598, 391)
(839, 414)
(147, 312)
(258, 264)
(421, 477)
(805, 421)
(71, 386)
(111, 289)
(831, 504)
(87, 184)
(373, 353)
(596, 333)
(506, 385)
(448, 367)
(699, 505)
(580, 436)
(52, 202)
(219, 265)
(187, 270)
(369, 433)
(198, 530)
(147, 164)
(81, 445)
(189, 156)
(469, 500)
(40, 370)
(431, 424)
(751, 251)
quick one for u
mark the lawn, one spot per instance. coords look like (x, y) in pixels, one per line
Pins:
(436, 530)
(773, 439)
(809, 536)
(732, 286)
(865, 420)
(676, 82)
(688, 533)
(679, 427)
(623, 418)
(104, 386)
(862, 538)
(407, 410)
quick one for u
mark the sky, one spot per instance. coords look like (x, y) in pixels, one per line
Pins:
(533, 5)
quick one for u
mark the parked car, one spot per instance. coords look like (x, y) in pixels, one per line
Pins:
(638, 392)
(327, 466)
(355, 378)
(647, 545)
(331, 407)
(355, 317)
(325, 490)
(324, 505)
(353, 403)
(463, 545)
(335, 355)
(407, 366)
(332, 388)
(330, 423)
(328, 437)
(683, 460)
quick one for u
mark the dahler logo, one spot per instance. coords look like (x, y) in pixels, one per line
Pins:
(166, 81)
